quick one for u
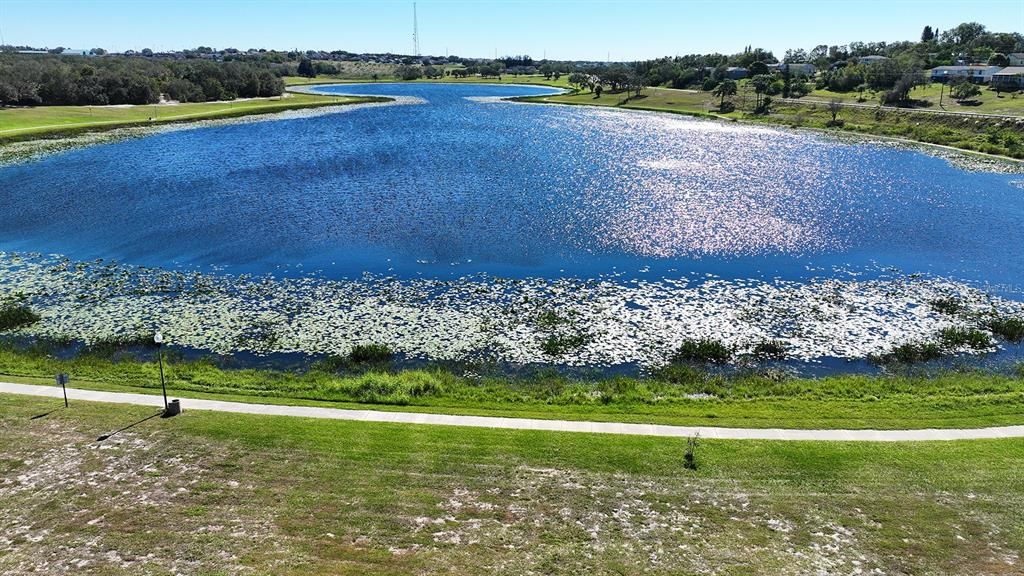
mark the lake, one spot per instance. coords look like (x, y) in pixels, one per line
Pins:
(445, 223)
(456, 185)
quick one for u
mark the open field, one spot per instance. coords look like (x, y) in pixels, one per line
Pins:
(19, 123)
(211, 493)
(685, 396)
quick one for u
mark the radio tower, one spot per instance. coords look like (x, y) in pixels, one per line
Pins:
(415, 31)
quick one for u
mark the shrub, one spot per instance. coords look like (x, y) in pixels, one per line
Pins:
(107, 347)
(702, 350)
(1009, 328)
(15, 314)
(727, 107)
(954, 338)
(370, 354)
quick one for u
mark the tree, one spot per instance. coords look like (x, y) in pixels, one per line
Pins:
(306, 68)
(97, 52)
(998, 59)
(962, 89)
(577, 79)
(598, 89)
(761, 83)
(834, 107)
(758, 68)
(408, 72)
(963, 34)
(725, 88)
(927, 35)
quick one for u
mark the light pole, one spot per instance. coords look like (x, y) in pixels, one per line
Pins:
(158, 338)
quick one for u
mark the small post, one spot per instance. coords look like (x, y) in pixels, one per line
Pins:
(62, 379)
(158, 339)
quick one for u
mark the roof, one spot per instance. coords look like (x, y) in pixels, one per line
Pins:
(1011, 71)
(961, 68)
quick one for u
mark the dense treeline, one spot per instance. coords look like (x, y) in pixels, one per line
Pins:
(61, 80)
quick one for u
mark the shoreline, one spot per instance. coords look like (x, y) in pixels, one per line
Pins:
(54, 132)
(1016, 163)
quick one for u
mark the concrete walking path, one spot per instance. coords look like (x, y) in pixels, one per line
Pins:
(524, 423)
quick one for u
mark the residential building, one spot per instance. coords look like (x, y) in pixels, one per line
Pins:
(736, 73)
(1016, 59)
(797, 68)
(872, 59)
(975, 73)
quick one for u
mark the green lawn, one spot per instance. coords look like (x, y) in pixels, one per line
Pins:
(990, 136)
(990, 102)
(41, 120)
(689, 396)
(215, 493)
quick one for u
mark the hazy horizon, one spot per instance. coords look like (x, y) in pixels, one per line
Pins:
(565, 30)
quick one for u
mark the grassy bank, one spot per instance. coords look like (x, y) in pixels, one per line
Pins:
(214, 493)
(47, 121)
(677, 395)
(989, 136)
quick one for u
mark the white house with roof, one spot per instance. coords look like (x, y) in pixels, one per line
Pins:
(975, 73)
(1016, 59)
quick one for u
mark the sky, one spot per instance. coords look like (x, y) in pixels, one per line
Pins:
(558, 29)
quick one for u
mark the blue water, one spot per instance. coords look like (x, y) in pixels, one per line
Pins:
(457, 186)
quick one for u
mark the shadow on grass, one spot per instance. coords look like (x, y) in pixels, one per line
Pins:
(132, 425)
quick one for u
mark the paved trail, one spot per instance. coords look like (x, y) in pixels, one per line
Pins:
(524, 423)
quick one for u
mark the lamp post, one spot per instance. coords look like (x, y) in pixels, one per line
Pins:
(158, 338)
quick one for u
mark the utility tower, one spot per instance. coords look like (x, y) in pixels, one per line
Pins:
(415, 31)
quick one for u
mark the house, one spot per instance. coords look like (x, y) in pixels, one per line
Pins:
(1009, 78)
(1016, 59)
(872, 59)
(797, 68)
(975, 73)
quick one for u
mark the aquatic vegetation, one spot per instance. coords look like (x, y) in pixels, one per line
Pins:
(947, 305)
(611, 320)
(956, 338)
(370, 354)
(770, 349)
(1010, 328)
(14, 314)
(703, 350)
(910, 353)
(560, 344)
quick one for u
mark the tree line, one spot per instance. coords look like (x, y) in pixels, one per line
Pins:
(60, 80)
